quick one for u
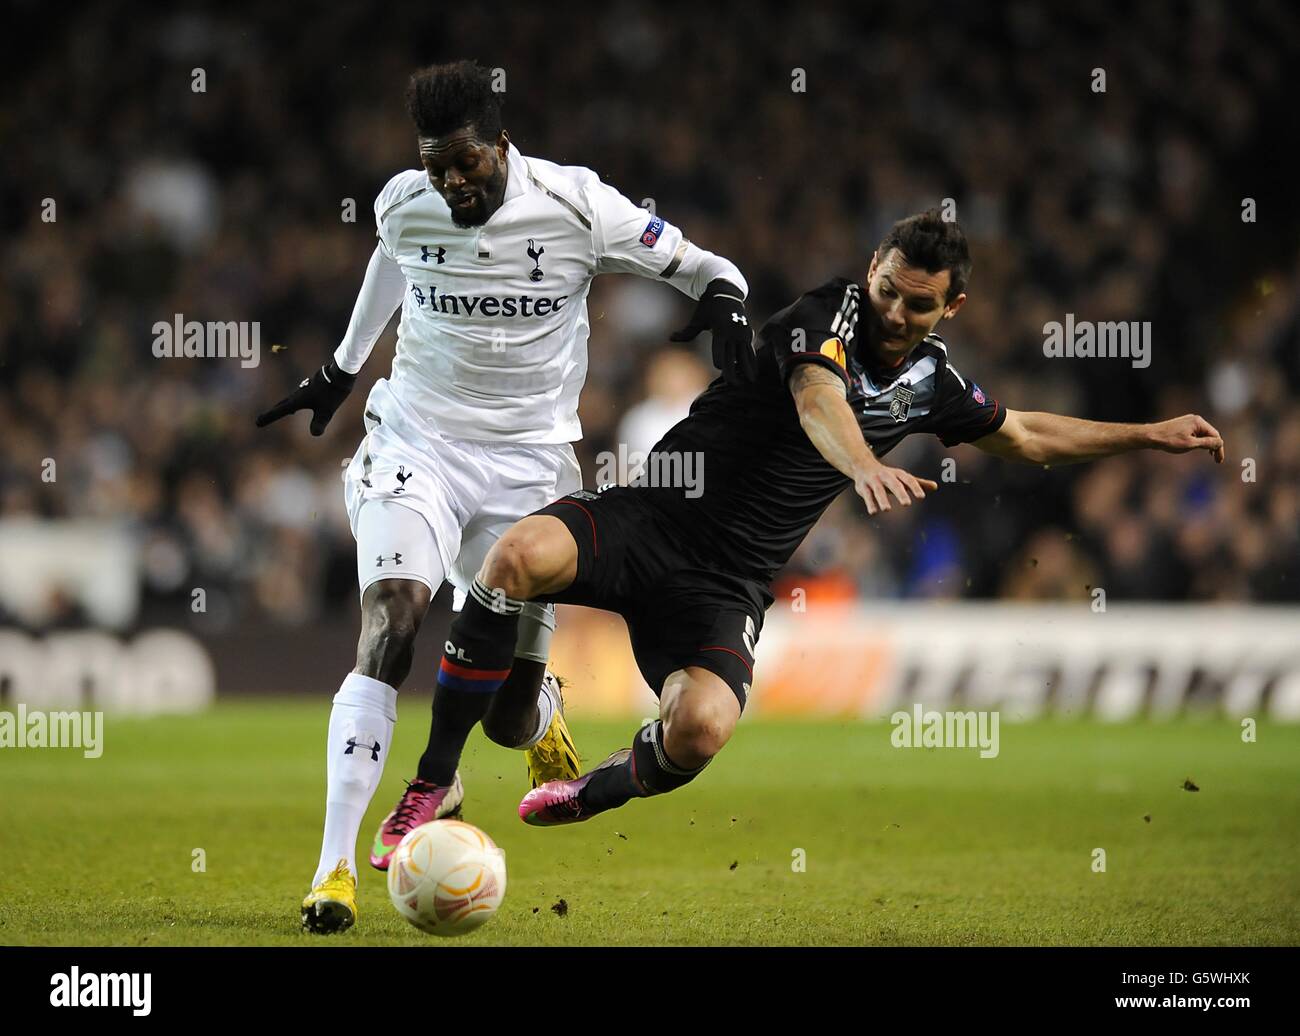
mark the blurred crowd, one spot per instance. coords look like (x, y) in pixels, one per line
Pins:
(787, 137)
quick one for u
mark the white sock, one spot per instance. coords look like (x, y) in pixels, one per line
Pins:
(360, 736)
(546, 706)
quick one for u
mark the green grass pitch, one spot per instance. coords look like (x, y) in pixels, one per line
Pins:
(902, 846)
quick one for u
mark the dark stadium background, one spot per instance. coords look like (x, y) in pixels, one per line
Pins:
(225, 205)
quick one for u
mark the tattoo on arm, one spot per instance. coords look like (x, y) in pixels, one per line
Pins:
(807, 374)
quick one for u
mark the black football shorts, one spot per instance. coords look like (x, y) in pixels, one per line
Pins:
(680, 612)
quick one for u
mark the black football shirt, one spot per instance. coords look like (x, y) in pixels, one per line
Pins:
(764, 485)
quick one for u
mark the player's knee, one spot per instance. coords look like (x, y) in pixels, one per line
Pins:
(512, 564)
(697, 726)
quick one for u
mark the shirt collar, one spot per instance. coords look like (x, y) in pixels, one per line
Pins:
(517, 175)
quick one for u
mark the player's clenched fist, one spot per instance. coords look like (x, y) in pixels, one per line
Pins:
(721, 309)
(875, 486)
(322, 394)
(1189, 432)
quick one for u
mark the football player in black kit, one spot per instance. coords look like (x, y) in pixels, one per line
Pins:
(842, 375)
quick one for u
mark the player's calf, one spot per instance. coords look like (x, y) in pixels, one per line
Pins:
(476, 660)
(513, 717)
(391, 613)
(536, 556)
(700, 712)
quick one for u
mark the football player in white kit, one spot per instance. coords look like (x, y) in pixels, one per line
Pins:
(490, 255)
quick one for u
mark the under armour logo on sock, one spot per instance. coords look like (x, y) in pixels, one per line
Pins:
(396, 559)
(373, 749)
(738, 318)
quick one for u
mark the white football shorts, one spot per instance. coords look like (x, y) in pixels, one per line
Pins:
(467, 494)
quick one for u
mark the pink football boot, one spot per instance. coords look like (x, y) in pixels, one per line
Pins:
(421, 803)
(560, 802)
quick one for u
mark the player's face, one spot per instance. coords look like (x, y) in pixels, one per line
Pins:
(468, 172)
(906, 305)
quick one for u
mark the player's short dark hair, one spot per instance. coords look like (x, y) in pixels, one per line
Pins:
(929, 241)
(443, 98)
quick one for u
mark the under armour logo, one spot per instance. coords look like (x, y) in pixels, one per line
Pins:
(535, 253)
(648, 734)
(372, 749)
(402, 476)
(438, 255)
(738, 318)
(396, 559)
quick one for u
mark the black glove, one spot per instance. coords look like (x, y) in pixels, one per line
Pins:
(721, 309)
(322, 394)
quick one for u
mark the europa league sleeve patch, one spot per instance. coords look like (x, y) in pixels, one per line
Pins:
(650, 236)
(833, 349)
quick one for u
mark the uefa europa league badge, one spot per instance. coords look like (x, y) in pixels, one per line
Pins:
(535, 252)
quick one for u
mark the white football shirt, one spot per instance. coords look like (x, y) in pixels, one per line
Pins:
(492, 343)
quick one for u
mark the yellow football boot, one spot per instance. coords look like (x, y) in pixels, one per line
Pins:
(553, 758)
(332, 905)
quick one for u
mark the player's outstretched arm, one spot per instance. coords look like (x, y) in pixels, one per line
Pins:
(1042, 438)
(828, 421)
(324, 392)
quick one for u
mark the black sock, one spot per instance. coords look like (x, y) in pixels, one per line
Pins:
(646, 771)
(480, 651)
(454, 716)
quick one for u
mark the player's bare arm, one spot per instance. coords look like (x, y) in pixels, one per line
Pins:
(1043, 438)
(827, 420)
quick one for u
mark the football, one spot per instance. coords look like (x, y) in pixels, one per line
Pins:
(447, 877)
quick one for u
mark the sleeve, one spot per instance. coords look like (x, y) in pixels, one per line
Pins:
(963, 412)
(400, 186)
(381, 293)
(801, 334)
(630, 239)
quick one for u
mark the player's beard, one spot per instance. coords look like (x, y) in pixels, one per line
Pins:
(488, 201)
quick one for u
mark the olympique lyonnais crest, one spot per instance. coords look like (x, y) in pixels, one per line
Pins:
(901, 403)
